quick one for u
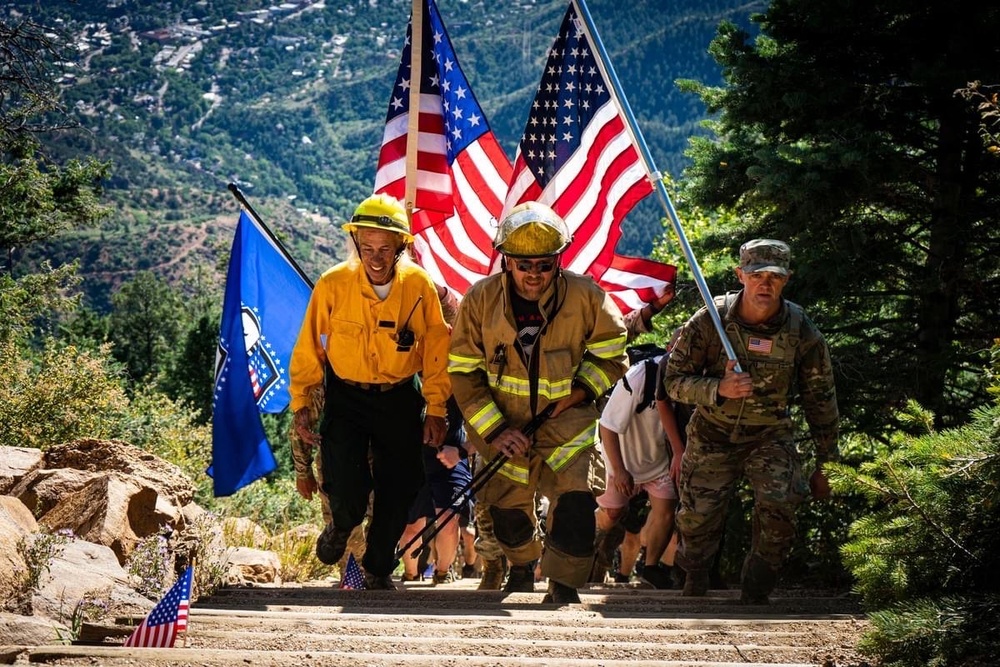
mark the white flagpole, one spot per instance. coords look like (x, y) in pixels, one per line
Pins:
(413, 119)
(654, 175)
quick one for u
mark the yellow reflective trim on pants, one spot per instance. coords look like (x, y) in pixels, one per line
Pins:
(562, 455)
(608, 349)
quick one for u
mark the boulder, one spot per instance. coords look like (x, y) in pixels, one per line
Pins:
(83, 569)
(111, 510)
(106, 491)
(252, 566)
(164, 477)
(16, 521)
(15, 463)
(30, 631)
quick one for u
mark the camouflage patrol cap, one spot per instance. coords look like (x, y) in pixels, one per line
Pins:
(765, 255)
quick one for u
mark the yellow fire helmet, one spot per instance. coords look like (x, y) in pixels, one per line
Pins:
(381, 212)
(532, 229)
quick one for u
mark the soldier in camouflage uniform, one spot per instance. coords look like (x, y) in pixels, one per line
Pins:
(307, 482)
(741, 425)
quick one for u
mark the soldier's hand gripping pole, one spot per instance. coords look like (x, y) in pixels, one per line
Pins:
(477, 482)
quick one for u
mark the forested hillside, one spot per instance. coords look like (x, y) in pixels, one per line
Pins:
(289, 101)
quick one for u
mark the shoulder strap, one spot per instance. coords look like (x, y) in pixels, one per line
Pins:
(723, 304)
(649, 385)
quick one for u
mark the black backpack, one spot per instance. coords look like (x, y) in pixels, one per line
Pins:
(645, 353)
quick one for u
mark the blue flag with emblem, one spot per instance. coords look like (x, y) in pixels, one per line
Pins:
(265, 302)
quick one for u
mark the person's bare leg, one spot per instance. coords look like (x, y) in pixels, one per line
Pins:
(658, 529)
(410, 563)
(446, 546)
(629, 550)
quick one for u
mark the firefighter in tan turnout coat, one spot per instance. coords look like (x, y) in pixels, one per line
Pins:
(530, 336)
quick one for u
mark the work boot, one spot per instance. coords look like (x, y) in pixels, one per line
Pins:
(759, 579)
(657, 576)
(331, 544)
(561, 594)
(374, 582)
(493, 574)
(521, 579)
(696, 584)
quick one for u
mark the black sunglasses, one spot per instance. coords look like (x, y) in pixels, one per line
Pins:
(542, 266)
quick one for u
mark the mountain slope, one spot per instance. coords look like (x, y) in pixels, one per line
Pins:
(290, 101)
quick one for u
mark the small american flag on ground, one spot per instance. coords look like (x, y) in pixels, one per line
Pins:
(353, 579)
(168, 618)
(762, 345)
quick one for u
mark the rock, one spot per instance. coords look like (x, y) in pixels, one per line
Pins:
(16, 521)
(31, 631)
(106, 491)
(84, 569)
(252, 566)
(15, 463)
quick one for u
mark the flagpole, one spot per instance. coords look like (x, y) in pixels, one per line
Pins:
(235, 189)
(413, 117)
(604, 62)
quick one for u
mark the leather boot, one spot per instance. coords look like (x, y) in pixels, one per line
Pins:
(759, 579)
(696, 584)
(493, 574)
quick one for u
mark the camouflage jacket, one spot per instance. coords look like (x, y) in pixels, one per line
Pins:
(788, 359)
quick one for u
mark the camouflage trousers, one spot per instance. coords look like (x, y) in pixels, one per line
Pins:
(710, 472)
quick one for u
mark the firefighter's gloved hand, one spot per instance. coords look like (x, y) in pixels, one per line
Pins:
(512, 442)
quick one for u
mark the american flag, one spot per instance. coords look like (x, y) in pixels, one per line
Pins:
(462, 172)
(353, 579)
(762, 345)
(578, 155)
(169, 617)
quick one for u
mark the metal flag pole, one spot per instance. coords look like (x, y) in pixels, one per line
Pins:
(235, 189)
(654, 175)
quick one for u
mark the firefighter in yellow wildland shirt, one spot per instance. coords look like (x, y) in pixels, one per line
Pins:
(373, 323)
(527, 337)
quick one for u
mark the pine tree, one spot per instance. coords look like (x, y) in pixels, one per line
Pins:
(840, 130)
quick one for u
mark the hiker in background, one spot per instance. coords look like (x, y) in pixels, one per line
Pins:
(373, 323)
(741, 426)
(639, 451)
(447, 473)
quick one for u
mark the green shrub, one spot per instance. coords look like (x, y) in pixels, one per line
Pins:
(67, 394)
(925, 557)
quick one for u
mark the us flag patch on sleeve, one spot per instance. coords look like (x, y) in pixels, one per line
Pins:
(762, 345)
